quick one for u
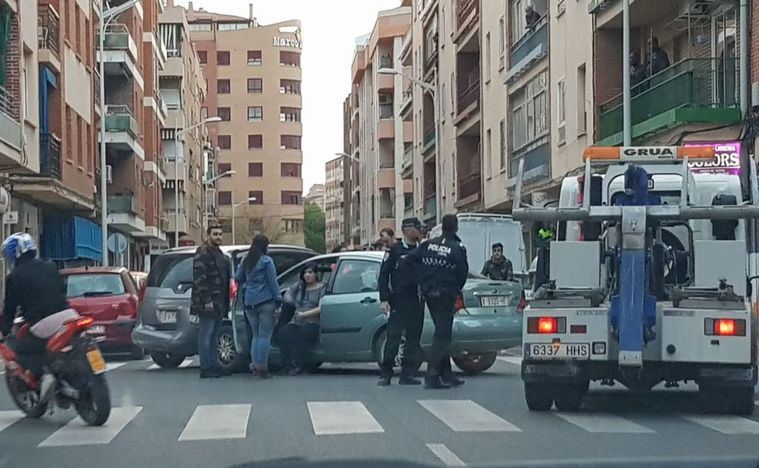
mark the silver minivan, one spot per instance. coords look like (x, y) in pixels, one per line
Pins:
(165, 327)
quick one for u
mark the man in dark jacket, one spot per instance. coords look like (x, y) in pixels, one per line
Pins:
(498, 267)
(210, 299)
(442, 270)
(400, 300)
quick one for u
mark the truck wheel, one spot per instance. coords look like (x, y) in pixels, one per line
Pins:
(741, 401)
(538, 396)
(569, 397)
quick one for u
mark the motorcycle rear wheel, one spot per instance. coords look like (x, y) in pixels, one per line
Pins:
(94, 406)
(28, 401)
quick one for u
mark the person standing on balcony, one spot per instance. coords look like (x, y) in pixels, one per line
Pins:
(658, 60)
(532, 17)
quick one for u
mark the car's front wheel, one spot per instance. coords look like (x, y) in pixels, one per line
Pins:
(475, 363)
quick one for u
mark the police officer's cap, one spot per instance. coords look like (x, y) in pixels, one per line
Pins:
(411, 223)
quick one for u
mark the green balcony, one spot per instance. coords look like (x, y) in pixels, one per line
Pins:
(120, 119)
(689, 92)
(123, 204)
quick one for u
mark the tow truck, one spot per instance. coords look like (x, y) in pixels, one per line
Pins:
(657, 287)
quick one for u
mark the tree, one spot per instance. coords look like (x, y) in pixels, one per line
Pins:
(314, 228)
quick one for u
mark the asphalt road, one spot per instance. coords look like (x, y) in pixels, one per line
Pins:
(340, 418)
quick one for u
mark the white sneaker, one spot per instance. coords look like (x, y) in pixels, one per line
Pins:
(46, 387)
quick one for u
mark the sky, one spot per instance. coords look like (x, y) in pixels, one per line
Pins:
(330, 29)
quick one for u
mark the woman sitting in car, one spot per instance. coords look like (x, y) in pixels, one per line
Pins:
(302, 333)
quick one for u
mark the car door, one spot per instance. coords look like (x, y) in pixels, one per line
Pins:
(350, 312)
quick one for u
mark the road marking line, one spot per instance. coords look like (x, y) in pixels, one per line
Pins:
(445, 455)
(604, 423)
(210, 422)
(467, 416)
(342, 417)
(8, 418)
(109, 366)
(726, 424)
(76, 432)
(189, 362)
(517, 361)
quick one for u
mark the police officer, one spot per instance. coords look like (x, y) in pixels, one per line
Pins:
(400, 299)
(442, 270)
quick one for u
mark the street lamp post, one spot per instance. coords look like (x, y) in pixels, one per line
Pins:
(177, 136)
(433, 92)
(107, 15)
(235, 205)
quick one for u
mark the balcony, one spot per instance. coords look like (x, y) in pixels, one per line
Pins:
(429, 140)
(430, 207)
(10, 126)
(122, 131)
(50, 156)
(174, 67)
(171, 220)
(530, 49)
(386, 129)
(176, 171)
(120, 55)
(386, 111)
(469, 97)
(466, 16)
(96, 91)
(124, 214)
(49, 37)
(408, 158)
(692, 91)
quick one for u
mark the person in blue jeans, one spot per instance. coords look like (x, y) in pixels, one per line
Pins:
(263, 302)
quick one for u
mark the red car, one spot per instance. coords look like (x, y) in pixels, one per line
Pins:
(109, 296)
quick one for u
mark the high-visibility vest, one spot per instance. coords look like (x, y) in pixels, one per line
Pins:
(545, 234)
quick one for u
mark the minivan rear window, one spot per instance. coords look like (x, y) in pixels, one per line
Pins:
(171, 271)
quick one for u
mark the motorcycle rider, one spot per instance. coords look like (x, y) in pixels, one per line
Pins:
(34, 290)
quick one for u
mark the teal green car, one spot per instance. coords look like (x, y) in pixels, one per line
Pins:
(488, 317)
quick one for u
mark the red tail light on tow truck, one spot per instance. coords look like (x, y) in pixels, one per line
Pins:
(546, 325)
(725, 327)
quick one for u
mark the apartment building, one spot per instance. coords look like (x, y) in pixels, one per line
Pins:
(379, 133)
(188, 159)
(254, 80)
(316, 195)
(335, 202)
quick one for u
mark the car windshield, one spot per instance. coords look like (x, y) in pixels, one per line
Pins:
(93, 285)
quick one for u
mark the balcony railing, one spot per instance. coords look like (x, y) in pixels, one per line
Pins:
(119, 118)
(471, 93)
(430, 206)
(50, 155)
(123, 204)
(48, 29)
(6, 102)
(116, 37)
(429, 138)
(709, 83)
(386, 61)
(463, 10)
(469, 185)
(408, 156)
(386, 111)
(10, 125)
(96, 89)
(537, 37)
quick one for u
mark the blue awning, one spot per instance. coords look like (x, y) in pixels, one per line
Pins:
(47, 81)
(70, 238)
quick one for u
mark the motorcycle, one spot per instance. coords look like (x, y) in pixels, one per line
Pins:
(74, 367)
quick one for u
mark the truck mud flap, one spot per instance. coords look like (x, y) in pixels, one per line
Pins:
(569, 371)
(725, 376)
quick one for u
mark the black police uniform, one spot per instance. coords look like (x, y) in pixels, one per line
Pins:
(398, 286)
(442, 269)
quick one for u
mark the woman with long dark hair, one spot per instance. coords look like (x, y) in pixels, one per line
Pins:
(262, 302)
(298, 336)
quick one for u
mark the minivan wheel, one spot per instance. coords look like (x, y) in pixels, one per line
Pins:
(225, 348)
(167, 360)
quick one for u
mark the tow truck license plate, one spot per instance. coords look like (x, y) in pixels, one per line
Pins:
(97, 363)
(558, 350)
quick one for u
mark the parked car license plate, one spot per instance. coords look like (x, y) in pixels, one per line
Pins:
(96, 330)
(558, 350)
(165, 316)
(97, 363)
(494, 301)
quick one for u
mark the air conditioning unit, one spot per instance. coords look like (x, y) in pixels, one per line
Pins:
(109, 174)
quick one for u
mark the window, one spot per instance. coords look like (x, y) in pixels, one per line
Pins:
(503, 143)
(292, 225)
(488, 58)
(222, 57)
(233, 26)
(255, 141)
(518, 21)
(289, 142)
(224, 167)
(94, 285)
(356, 276)
(529, 111)
(489, 153)
(255, 85)
(289, 87)
(582, 112)
(255, 169)
(202, 57)
(561, 113)
(224, 113)
(289, 114)
(290, 169)
(291, 198)
(258, 195)
(200, 27)
(225, 142)
(289, 59)
(502, 37)
(255, 114)
(223, 86)
(254, 58)
(225, 198)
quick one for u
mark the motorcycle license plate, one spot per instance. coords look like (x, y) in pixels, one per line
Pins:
(97, 363)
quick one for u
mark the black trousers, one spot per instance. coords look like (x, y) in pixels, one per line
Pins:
(31, 352)
(295, 340)
(441, 304)
(406, 315)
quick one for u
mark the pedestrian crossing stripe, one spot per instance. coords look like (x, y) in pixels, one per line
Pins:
(8, 418)
(467, 416)
(731, 425)
(341, 417)
(604, 423)
(76, 432)
(210, 422)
